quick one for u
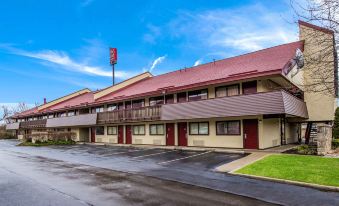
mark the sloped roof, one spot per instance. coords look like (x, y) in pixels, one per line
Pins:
(261, 62)
(255, 64)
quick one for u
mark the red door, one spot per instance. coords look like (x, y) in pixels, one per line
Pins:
(93, 134)
(250, 127)
(182, 133)
(128, 134)
(120, 134)
(170, 134)
(249, 87)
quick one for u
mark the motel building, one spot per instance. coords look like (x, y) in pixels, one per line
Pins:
(252, 101)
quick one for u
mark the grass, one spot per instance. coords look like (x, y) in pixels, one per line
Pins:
(301, 168)
(47, 143)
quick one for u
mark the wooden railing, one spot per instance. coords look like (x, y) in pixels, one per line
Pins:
(130, 115)
(41, 123)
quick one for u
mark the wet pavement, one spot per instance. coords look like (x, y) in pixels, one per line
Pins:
(112, 175)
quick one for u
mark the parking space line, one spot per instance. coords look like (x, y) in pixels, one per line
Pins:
(136, 150)
(185, 157)
(153, 154)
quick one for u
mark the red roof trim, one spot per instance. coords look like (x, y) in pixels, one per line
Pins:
(325, 30)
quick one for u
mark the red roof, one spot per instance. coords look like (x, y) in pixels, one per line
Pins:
(260, 63)
(254, 64)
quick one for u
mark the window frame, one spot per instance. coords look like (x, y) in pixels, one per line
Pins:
(139, 125)
(199, 90)
(156, 100)
(216, 127)
(116, 130)
(226, 86)
(156, 125)
(96, 130)
(208, 128)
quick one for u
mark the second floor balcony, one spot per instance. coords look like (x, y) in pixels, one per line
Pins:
(41, 123)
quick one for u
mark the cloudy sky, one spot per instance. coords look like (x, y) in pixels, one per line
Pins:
(51, 48)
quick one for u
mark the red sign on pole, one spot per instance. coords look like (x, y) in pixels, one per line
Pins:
(113, 53)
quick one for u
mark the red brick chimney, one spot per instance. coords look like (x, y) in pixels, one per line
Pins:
(45, 101)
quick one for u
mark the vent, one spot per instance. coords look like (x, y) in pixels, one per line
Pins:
(138, 141)
(112, 140)
(99, 139)
(198, 143)
(157, 142)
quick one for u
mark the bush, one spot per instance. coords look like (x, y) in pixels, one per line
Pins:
(335, 130)
(335, 143)
(306, 149)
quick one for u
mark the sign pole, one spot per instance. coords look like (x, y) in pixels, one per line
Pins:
(113, 72)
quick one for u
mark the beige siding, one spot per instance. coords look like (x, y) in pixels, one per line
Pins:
(147, 138)
(269, 133)
(291, 132)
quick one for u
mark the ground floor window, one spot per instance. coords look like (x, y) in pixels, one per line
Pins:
(139, 129)
(199, 128)
(111, 130)
(228, 128)
(100, 130)
(156, 129)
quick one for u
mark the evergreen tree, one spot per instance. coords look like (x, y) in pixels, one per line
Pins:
(336, 124)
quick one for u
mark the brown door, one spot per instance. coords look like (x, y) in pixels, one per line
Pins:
(120, 134)
(182, 133)
(249, 87)
(170, 134)
(93, 134)
(128, 134)
(250, 127)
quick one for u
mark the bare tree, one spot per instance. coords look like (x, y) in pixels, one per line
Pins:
(324, 13)
(21, 107)
(6, 112)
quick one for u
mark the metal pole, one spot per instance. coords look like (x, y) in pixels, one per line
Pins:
(113, 72)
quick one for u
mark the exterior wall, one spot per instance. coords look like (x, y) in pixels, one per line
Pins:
(84, 134)
(315, 50)
(291, 132)
(107, 138)
(269, 133)
(147, 138)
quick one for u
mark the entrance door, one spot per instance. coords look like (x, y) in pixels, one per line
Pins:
(249, 87)
(250, 128)
(182, 133)
(120, 134)
(93, 134)
(128, 134)
(170, 134)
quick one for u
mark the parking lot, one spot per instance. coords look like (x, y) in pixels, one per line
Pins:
(194, 168)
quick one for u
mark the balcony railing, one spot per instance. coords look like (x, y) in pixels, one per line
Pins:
(130, 115)
(41, 123)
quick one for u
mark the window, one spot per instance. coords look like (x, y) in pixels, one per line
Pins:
(227, 91)
(199, 128)
(111, 130)
(71, 113)
(197, 95)
(138, 103)
(181, 97)
(111, 107)
(50, 116)
(156, 129)
(100, 130)
(139, 130)
(228, 128)
(99, 109)
(156, 100)
(169, 99)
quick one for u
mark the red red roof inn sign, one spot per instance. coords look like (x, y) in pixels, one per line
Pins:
(113, 55)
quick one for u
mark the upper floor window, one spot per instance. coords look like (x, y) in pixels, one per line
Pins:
(138, 103)
(111, 107)
(225, 91)
(182, 97)
(156, 100)
(197, 95)
(97, 109)
(62, 114)
(71, 113)
(50, 116)
(249, 87)
(169, 99)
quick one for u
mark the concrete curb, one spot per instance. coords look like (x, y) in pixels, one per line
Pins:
(291, 182)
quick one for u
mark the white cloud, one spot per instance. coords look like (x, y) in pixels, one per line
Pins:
(156, 62)
(60, 58)
(198, 62)
(245, 29)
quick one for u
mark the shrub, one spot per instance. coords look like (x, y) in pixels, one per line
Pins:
(335, 143)
(335, 130)
(306, 149)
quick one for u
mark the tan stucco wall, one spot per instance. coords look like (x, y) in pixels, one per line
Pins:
(291, 132)
(320, 105)
(269, 133)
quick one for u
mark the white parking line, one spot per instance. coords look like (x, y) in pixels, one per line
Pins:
(184, 157)
(153, 154)
(126, 152)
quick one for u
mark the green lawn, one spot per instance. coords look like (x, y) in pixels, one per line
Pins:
(310, 169)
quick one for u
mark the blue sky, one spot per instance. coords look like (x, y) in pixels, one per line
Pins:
(51, 48)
